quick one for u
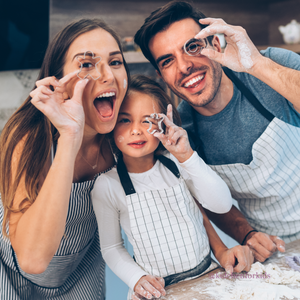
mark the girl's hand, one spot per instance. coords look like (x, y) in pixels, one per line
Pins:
(240, 53)
(66, 115)
(236, 259)
(175, 138)
(149, 286)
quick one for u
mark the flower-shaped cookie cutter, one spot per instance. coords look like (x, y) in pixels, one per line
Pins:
(92, 55)
(194, 46)
(155, 117)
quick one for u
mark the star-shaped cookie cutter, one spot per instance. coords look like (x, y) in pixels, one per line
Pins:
(156, 117)
(81, 65)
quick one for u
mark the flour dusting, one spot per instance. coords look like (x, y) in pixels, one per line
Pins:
(245, 55)
(271, 287)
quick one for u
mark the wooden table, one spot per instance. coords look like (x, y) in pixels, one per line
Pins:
(189, 290)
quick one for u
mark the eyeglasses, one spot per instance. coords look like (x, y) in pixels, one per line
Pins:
(194, 46)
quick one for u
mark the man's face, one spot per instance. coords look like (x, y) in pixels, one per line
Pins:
(195, 79)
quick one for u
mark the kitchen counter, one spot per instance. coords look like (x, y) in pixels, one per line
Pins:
(192, 289)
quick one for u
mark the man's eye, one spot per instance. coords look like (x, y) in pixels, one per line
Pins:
(166, 62)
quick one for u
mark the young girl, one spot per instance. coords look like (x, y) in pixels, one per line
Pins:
(150, 194)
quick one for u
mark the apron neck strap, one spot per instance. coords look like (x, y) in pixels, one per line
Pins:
(125, 178)
(248, 94)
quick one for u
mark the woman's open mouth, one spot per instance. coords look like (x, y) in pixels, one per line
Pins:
(105, 104)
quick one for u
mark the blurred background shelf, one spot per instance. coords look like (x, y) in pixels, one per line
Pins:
(292, 47)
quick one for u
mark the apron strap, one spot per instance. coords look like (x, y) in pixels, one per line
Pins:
(247, 93)
(198, 270)
(170, 164)
(125, 178)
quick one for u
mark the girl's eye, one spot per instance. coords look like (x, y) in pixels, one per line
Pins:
(124, 121)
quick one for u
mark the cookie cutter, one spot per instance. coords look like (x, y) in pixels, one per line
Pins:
(155, 117)
(88, 58)
(194, 46)
(293, 262)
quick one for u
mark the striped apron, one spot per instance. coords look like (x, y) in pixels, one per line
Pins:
(77, 269)
(267, 189)
(169, 239)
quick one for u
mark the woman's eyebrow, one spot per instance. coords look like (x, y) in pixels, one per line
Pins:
(91, 55)
(115, 53)
(83, 53)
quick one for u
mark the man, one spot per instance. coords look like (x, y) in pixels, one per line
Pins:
(243, 120)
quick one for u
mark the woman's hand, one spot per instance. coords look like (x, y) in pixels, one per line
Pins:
(149, 286)
(236, 259)
(66, 115)
(240, 53)
(175, 138)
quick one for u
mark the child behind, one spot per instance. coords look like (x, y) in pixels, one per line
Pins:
(150, 196)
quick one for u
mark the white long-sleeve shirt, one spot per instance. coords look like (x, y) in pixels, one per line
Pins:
(109, 201)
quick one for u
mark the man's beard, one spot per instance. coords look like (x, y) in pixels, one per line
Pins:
(216, 82)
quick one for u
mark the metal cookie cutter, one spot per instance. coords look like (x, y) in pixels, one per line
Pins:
(194, 46)
(88, 65)
(155, 117)
(293, 262)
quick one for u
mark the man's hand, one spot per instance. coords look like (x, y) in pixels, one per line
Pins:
(263, 245)
(240, 53)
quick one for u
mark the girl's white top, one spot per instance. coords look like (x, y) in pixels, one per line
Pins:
(109, 201)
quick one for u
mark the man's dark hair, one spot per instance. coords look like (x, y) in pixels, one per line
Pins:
(161, 19)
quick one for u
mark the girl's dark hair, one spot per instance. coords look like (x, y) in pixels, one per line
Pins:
(160, 19)
(148, 86)
(31, 125)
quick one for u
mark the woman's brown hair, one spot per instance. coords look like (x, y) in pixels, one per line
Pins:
(33, 127)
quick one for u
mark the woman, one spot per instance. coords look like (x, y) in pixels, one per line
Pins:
(52, 150)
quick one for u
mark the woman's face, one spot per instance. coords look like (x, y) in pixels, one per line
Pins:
(102, 97)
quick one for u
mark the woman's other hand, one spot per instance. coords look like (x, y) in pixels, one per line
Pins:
(51, 99)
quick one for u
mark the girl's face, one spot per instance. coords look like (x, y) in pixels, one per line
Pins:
(130, 133)
(102, 97)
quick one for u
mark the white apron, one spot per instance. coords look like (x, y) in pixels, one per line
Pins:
(268, 189)
(169, 239)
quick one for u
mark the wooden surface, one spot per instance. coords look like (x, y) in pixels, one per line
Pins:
(191, 289)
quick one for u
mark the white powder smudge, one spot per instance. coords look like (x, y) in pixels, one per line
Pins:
(134, 131)
(245, 55)
(241, 42)
(120, 139)
(273, 287)
(125, 83)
